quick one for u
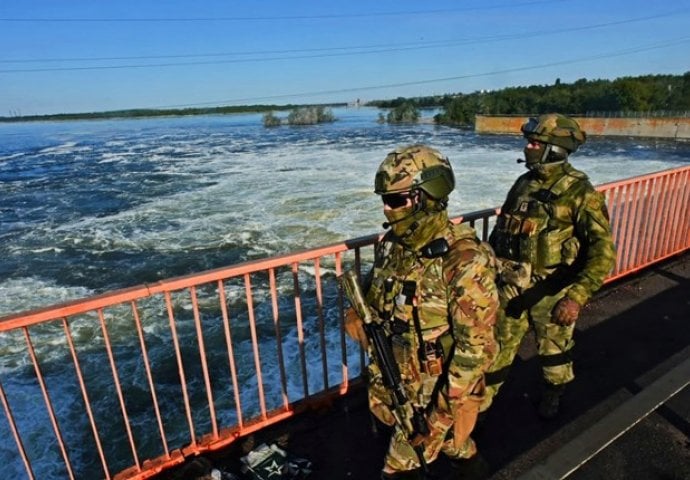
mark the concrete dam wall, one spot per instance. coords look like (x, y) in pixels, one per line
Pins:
(671, 128)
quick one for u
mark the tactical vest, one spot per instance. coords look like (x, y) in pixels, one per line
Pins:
(410, 294)
(536, 226)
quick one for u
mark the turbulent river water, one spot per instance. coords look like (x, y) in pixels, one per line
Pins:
(87, 207)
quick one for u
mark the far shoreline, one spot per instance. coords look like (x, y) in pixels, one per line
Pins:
(135, 114)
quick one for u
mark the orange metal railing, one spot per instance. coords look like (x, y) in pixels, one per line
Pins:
(245, 346)
(649, 218)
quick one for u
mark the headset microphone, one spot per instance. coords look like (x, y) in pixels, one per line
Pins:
(386, 225)
(418, 206)
(520, 160)
(412, 227)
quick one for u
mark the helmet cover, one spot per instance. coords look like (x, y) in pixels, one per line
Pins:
(415, 167)
(555, 129)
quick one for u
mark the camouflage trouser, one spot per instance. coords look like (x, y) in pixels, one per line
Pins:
(450, 427)
(554, 342)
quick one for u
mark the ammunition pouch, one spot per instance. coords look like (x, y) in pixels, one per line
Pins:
(517, 237)
(432, 361)
(529, 241)
(550, 248)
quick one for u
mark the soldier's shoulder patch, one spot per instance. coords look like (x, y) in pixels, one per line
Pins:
(595, 201)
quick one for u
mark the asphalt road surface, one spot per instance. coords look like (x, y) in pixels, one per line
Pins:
(632, 349)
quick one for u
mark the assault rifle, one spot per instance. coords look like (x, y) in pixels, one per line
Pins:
(408, 418)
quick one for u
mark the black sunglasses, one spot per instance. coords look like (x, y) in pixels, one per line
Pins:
(395, 200)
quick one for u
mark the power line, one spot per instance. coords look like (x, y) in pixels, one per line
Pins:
(339, 51)
(284, 17)
(357, 49)
(619, 53)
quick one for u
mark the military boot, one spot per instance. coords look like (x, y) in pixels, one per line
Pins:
(550, 403)
(407, 475)
(473, 468)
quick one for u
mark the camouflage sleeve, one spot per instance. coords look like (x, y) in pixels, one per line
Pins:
(599, 254)
(473, 303)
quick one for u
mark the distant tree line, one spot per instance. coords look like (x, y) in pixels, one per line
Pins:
(647, 93)
(634, 94)
(147, 112)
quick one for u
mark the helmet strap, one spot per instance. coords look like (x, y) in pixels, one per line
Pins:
(545, 153)
(419, 201)
(559, 154)
(437, 205)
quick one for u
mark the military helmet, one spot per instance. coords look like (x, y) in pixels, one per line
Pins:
(415, 167)
(555, 129)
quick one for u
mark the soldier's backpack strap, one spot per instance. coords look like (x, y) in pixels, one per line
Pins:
(560, 186)
(564, 183)
(427, 352)
(382, 248)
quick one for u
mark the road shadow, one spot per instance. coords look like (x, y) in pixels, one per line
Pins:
(628, 329)
(623, 333)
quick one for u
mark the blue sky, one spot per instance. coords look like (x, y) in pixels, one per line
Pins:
(86, 55)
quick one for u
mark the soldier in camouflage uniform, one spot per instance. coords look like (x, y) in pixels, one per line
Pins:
(433, 285)
(555, 248)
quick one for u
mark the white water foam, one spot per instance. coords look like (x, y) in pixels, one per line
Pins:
(189, 189)
(31, 292)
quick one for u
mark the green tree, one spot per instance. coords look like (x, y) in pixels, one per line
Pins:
(679, 94)
(324, 115)
(310, 115)
(631, 95)
(646, 93)
(271, 120)
(406, 112)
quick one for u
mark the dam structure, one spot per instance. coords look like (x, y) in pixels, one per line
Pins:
(270, 359)
(674, 128)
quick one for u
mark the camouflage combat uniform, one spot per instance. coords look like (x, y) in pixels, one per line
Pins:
(439, 312)
(553, 240)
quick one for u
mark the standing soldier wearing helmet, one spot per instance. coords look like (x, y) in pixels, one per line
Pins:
(554, 243)
(432, 287)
